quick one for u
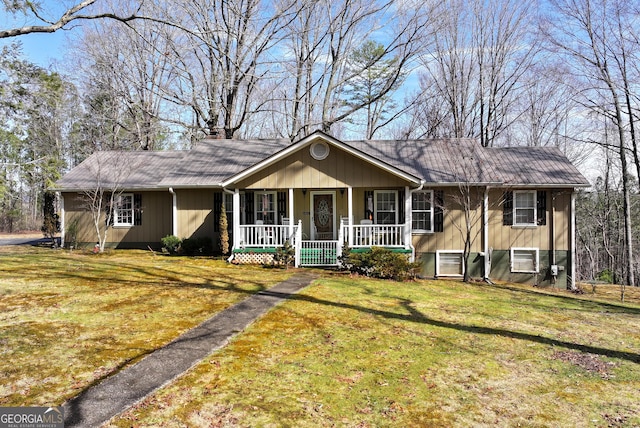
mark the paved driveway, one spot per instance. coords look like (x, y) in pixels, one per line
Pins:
(23, 241)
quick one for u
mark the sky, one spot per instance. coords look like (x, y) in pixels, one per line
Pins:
(43, 49)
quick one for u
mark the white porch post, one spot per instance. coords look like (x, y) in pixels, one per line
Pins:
(236, 219)
(291, 212)
(350, 213)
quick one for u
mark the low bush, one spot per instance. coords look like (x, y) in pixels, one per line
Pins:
(171, 244)
(379, 263)
(202, 245)
(285, 255)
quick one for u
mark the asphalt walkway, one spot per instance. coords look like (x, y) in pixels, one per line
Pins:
(117, 393)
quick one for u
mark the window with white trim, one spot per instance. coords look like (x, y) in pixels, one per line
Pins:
(386, 204)
(525, 260)
(123, 210)
(524, 208)
(449, 263)
(228, 209)
(422, 211)
(266, 207)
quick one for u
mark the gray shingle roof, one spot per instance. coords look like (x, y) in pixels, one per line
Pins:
(130, 170)
(212, 161)
(438, 161)
(535, 166)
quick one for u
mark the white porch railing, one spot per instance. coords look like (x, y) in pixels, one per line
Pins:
(267, 235)
(364, 235)
(369, 235)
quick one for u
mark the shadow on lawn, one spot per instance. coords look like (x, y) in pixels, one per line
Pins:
(568, 297)
(103, 269)
(418, 317)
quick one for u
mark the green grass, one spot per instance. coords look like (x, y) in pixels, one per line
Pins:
(346, 351)
(67, 320)
(355, 352)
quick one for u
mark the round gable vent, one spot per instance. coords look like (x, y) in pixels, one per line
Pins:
(319, 150)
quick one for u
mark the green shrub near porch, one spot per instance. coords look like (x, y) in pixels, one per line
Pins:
(378, 262)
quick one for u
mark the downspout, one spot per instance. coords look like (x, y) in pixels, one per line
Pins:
(408, 213)
(174, 212)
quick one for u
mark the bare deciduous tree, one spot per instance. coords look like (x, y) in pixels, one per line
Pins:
(103, 199)
(480, 54)
(49, 22)
(133, 79)
(581, 30)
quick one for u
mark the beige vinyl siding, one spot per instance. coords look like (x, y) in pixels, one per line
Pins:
(562, 219)
(505, 237)
(500, 236)
(76, 210)
(195, 213)
(451, 238)
(156, 220)
(300, 170)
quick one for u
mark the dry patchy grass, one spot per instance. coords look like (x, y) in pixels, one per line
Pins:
(355, 352)
(344, 352)
(68, 319)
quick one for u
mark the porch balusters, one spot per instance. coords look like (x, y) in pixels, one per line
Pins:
(380, 235)
(363, 235)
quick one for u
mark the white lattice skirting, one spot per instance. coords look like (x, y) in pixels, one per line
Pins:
(252, 258)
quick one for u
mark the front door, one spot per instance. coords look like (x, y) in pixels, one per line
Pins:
(323, 215)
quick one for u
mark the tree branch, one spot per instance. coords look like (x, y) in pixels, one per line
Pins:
(67, 17)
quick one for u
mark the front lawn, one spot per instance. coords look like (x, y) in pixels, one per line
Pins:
(356, 352)
(68, 319)
(344, 352)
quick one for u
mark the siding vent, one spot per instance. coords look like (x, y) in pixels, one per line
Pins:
(319, 150)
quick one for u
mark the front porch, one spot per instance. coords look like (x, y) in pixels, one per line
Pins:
(259, 242)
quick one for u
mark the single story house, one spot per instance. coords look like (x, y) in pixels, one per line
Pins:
(513, 207)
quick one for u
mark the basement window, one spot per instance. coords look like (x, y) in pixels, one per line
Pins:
(525, 260)
(449, 263)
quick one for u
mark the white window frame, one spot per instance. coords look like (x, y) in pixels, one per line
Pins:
(274, 202)
(440, 253)
(535, 251)
(228, 209)
(375, 205)
(118, 211)
(430, 211)
(516, 208)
